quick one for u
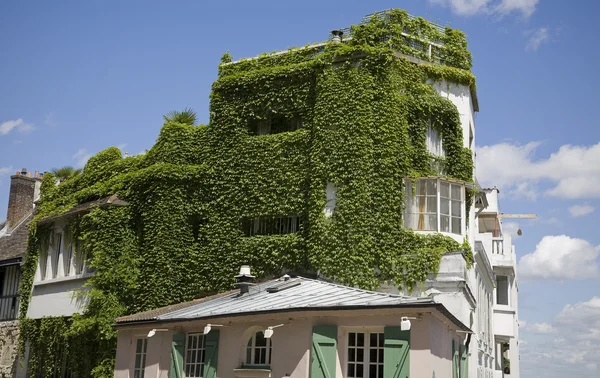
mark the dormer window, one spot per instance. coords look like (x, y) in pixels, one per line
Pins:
(436, 205)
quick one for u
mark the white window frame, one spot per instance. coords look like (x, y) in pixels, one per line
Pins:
(439, 199)
(508, 290)
(366, 363)
(198, 351)
(251, 346)
(140, 370)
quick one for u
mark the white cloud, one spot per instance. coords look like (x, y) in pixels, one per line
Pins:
(541, 328)
(5, 170)
(573, 170)
(81, 157)
(580, 210)
(526, 7)
(537, 38)
(501, 7)
(561, 258)
(575, 348)
(17, 124)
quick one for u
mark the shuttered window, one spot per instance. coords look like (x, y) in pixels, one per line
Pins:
(396, 352)
(194, 355)
(323, 352)
(365, 355)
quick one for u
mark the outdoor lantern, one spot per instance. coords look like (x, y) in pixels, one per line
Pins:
(405, 324)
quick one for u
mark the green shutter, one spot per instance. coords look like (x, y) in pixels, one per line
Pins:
(177, 351)
(211, 354)
(464, 361)
(324, 351)
(396, 353)
(454, 360)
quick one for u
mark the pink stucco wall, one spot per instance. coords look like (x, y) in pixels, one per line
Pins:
(430, 355)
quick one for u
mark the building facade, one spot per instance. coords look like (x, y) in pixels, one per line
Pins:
(352, 158)
(14, 232)
(294, 327)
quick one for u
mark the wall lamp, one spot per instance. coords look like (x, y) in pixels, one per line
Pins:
(405, 323)
(269, 331)
(153, 331)
(208, 327)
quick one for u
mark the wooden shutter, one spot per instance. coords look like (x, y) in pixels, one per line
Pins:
(396, 353)
(324, 351)
(211, 353)
(464, 361)
(177, 351)
(454, 360)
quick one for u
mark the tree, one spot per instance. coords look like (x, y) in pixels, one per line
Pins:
(65, 173)
(187, 116)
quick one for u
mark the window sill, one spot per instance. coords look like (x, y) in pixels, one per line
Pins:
(253, 371)
(63, 279)
(504, 309)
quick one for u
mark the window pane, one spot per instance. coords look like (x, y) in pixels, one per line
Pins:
(352, 355)
(373, 355)
(431, 205)
(444, 223)
(432, 187)
(373, 339)
(260, 340)
(360, 355)
(456, 192)
(372, 371)
(381, 371)
(360, 339)
(444, 206)
(456, 226)
(351, 371)
(445, 189)
(456, 208)
(381, 354)
(359, 370)
(352, 339)
(381, 340)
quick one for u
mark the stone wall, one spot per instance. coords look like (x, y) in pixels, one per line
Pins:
(9, 347)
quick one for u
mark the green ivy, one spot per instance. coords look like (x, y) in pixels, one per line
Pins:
(364, 111)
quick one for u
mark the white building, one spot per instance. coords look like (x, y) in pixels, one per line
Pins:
(498, 247)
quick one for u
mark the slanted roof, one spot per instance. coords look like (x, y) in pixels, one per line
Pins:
(14, 244)
(294, 294)
(85, 207)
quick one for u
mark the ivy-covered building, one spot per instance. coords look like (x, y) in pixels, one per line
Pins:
(351, 159)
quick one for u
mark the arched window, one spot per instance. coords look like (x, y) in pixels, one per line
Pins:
(258, 350)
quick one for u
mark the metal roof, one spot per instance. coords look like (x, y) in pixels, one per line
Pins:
(281, 295)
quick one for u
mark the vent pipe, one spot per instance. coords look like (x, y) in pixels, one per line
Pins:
(337, 36)
(243, 280)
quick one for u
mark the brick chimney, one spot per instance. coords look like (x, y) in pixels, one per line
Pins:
(24, 189)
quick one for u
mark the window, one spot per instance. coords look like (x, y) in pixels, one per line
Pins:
(434, 142)
(276, 124)
(258, 350)
(194, 356)
(365, 355)
(330, 195)
(422, 213)
(68, 259)
(140, 358)
(272, 225)
(43, 263)
(502, 288)
(79, 259)
(56, 246)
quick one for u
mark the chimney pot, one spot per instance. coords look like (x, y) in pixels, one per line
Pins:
(28, 174)
(337, 36)
(24, 171)
(243, 279)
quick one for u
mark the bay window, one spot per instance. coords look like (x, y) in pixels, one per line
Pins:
(435, 205)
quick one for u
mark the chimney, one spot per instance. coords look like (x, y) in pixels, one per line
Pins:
(23, 191)
(243, 279)
(337, 36)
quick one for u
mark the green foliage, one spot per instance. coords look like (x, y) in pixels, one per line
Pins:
(65, 173)
(364, 111)
(187, 116)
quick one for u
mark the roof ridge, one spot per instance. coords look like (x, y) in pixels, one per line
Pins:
(359, 289)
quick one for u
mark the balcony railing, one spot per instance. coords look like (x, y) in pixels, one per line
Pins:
(498, 246)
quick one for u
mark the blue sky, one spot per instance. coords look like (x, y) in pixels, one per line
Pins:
(77, 77)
